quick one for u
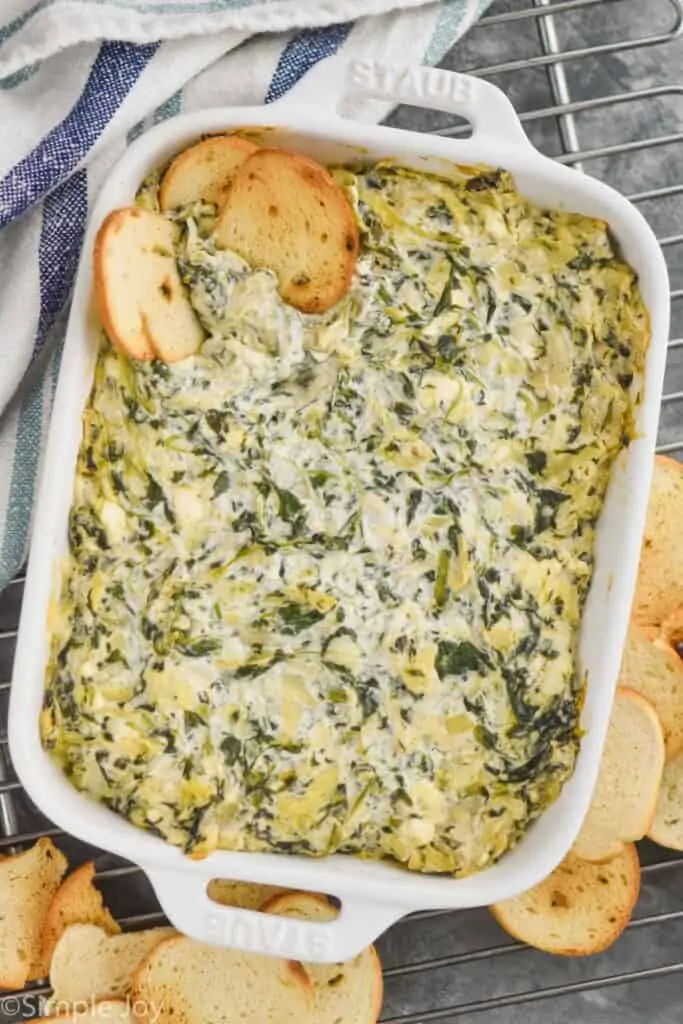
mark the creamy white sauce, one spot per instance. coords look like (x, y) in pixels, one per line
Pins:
(327, 575)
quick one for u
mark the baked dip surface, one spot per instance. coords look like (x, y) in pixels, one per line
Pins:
(326, 576)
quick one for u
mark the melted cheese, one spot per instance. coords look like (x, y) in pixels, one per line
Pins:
(326, 577)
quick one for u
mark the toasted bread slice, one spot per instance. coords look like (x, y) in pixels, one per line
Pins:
(77, 901)
(28, 882)
(89, 964)
(625, 797)
(655, 670)
(659, 590)
(350, 991)
(579, 909)
(140, 297)
(189, 982)
(667, 826)
(285, 212)
(248, 895)
(670, 633)
(114, 1011)
(203, 171)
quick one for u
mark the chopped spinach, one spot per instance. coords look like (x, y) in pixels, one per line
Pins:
(154, 493)
(192, 720)
(291, 510)
(320, 477)
(444, 301)
(250, 670)
(414, 499)
(536, 461)
(221, 484)
(199, 648)
(231, 747)
(297, 617)
(456, 658)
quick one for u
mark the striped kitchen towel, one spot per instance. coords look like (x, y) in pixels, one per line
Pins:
(80, 79)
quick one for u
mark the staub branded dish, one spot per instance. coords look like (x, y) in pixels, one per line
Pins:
(419, 687)
(326, 574)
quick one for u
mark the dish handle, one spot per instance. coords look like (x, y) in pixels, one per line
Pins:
(485, 106)
(184, 900)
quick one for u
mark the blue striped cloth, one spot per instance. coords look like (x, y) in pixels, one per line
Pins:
(79, 80)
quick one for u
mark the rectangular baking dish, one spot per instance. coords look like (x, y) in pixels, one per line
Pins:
(372, 894)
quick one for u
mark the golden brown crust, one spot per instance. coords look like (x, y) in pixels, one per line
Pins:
(40, 967)
(652, 666)
(624, 803)
(659, 588)
(667, 460)
(203, 171)
(666, 828)
(111, 225)
(670, 633)
(649, 708)
(87, 962)
(140, 297)
(616, 849)
(146, 992)
(286, 212)
(248, 895)
(68, 907)
(43, 843)
(553, 896)
(137, 986)
(33, 967)
(293, 902)
(285, 901)
(379, 995)
(299, 974)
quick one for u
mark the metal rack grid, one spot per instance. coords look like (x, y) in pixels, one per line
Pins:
(590, 80)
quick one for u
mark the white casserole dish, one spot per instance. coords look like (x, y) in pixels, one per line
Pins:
(373, 895)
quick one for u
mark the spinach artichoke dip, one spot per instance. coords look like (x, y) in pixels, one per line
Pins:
(325, 577)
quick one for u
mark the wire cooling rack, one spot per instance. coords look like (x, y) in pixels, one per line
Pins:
(595, 82)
